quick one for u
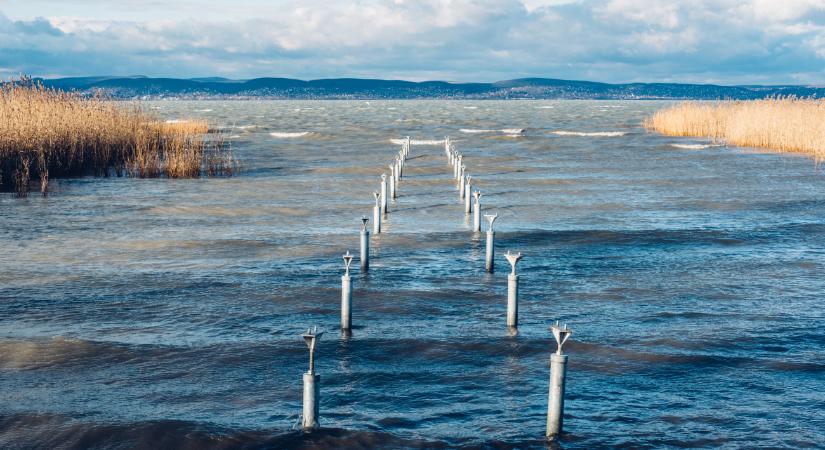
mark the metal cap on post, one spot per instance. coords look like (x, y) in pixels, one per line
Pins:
(365, 245)
(312, 383)
(488, 262)
(558, 373)
(512, 289)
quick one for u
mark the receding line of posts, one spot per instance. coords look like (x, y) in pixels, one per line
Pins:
(312, 383)
(558, 372)
(488, 261)
(558, 361)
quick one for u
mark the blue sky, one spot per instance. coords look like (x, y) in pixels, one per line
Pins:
(714, 41)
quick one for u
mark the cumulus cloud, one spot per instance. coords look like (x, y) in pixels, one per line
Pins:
(725, 41)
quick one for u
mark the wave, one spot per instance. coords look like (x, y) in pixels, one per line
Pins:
(203, 110)
(470, 107)
(510, 131)
(417, 141)
(472, 131)
(545, 107)
(287, 135)
(695, 146)
(591, 133)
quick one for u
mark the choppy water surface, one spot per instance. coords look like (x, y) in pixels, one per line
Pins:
(166, 313)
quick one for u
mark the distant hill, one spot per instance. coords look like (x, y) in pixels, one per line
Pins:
(354, 88)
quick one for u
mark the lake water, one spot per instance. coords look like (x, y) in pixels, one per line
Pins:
(166, 313)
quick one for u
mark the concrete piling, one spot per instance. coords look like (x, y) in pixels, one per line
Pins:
(364, 259)
(392, 180)
(558, 373)
(346, 296)
(477, 212)
(488, 262)
(461, 183)
(384, 193)
(512, 290)
(468, 188)
(376, 214)
(312, 383)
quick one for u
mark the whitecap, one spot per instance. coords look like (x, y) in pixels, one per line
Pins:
(545, 107)
(695, 146)
(592, 133)
(474, 131)
(470, 107)
(286, 135)
(203, 110)
(235, 136)
(417, 141)
(244, 127)
(507, 131)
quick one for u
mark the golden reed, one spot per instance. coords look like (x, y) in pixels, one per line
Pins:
(785, 124)
(47, 133)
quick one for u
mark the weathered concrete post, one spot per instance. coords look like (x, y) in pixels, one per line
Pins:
(468, 188)
(461, 183)
(512, 290)
(346, 295)
(392, 180)
(312, 383)
(558, 373)
(399, 169)
(384, 193)
(488, 263)
(365, 245)
(376, 214)
(477, 212)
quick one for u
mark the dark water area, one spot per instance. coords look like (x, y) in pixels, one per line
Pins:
(166, 313)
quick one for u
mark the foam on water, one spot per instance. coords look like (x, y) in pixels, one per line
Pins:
(695, 146)
(509, 131)
(590, 133)
(289, 134)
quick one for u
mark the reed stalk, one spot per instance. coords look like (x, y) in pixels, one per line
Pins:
(785, 124)
(47, 134)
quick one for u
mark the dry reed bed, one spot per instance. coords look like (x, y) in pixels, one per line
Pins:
(786, 124)
(47, 134)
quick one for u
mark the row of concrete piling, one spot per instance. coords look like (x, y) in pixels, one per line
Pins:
(388, 191)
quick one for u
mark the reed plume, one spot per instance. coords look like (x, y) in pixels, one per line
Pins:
(47, 134)
(785, 124)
